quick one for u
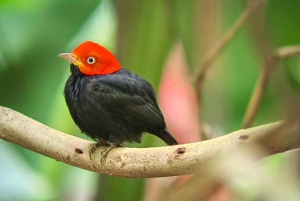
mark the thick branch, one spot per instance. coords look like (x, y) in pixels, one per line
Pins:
(139, 162)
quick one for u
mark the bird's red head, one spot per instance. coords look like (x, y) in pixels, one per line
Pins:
(93, 59)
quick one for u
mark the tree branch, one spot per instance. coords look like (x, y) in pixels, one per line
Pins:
(201, 72)
(269, 66)
(139, 162)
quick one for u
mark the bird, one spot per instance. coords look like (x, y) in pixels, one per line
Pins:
(109, 103)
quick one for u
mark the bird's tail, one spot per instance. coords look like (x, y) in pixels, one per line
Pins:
(166, 136)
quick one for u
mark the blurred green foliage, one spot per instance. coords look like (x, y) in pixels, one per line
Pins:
(141, 33)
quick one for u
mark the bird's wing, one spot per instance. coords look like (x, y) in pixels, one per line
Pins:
(131, 98)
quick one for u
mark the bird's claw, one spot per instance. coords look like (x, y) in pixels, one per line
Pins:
(104, 153)
(96, 146)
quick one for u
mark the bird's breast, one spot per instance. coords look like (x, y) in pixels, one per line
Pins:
(73, 90)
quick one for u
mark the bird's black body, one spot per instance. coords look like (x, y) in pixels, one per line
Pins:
(116, 107)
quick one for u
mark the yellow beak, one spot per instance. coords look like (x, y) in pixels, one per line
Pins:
(69, 57)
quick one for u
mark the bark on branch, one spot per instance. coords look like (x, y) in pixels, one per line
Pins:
(140, 162)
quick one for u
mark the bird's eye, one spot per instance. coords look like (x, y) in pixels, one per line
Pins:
(91, 60)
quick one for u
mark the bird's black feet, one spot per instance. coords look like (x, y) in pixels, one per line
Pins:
(96, 146)
(108, 149)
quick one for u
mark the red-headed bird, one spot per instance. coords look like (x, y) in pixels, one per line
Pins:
(109, 103)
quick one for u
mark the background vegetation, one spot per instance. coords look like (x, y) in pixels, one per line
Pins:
(142, 34)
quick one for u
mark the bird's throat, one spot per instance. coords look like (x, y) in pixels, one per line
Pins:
(75, 70)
